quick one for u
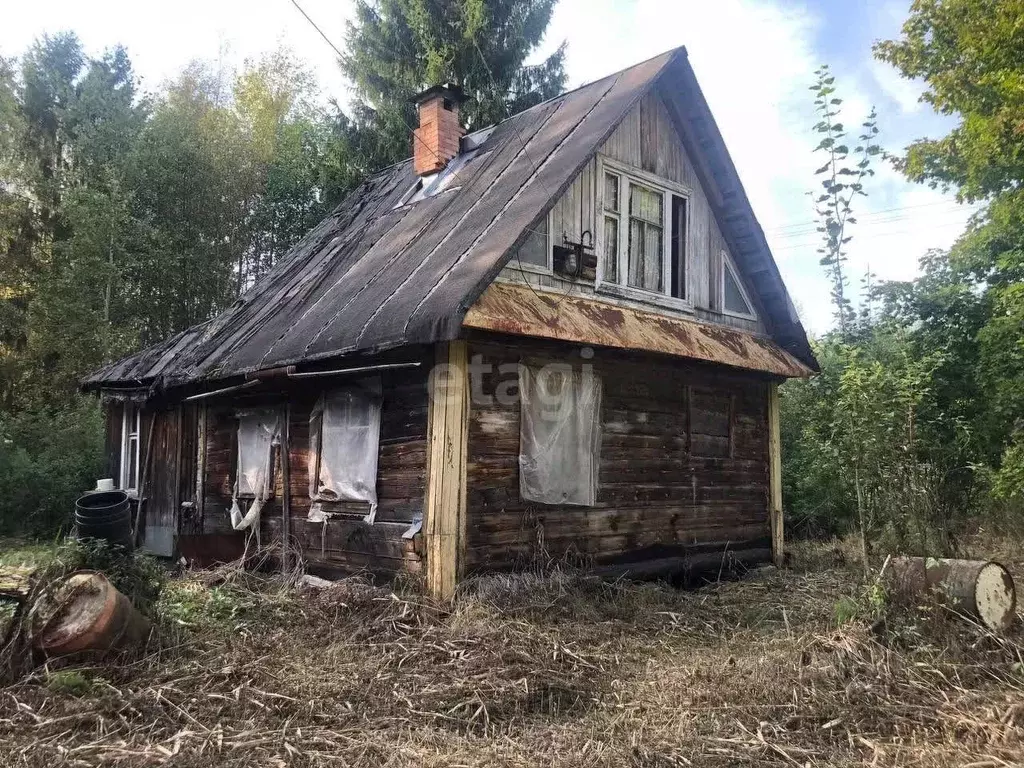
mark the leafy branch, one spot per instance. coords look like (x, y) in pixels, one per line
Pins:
(842, 180)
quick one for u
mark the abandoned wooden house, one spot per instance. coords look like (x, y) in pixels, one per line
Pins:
(557, 336)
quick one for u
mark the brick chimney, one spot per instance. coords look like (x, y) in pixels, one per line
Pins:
(436, 141)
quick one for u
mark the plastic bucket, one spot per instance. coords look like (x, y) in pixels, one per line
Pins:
(106, 516)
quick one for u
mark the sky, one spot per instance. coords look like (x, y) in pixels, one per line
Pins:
(754, 59)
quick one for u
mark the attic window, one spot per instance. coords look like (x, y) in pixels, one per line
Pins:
(643, 235)
(734, 298)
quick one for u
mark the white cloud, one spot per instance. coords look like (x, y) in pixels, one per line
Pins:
(163, 37)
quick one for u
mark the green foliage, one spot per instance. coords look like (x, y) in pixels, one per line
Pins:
(842, 180)
(73, 682)
(970, 54)
(229, 607)
(396, 48)
(136, 575)
(868, 605)
(47, 457)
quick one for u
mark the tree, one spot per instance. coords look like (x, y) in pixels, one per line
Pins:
(841, 184)
(398, 47)
(970, 55)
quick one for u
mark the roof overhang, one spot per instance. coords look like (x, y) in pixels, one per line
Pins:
(523, 311)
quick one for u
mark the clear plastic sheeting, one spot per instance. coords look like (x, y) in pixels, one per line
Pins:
(258, 432)
(560, 434)
(345, 433)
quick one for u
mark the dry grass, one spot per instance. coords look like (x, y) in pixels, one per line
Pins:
(531, 670)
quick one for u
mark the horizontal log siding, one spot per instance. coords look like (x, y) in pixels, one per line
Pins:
(656, 496)
(346, 543)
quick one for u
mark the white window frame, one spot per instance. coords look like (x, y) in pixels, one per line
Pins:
(730, 265)
(130, 484)
(667, 188)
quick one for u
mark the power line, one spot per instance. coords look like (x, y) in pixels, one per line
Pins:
(810, 223)
(314, 25)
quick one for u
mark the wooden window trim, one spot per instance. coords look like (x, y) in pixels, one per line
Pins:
(126, 437)
(628, 174)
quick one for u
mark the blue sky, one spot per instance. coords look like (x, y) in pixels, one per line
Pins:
(754, 59)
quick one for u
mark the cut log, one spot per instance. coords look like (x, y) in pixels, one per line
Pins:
(979, 588)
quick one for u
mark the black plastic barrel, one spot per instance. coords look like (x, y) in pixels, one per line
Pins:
(106, 516)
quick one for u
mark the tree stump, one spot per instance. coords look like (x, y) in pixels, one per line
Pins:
(982, 589)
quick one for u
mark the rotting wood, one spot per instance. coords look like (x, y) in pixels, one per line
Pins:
(652, 490)
(284, 456)
(775, 476)
(519, 310)
(447, 442)
(143, 477)
(201, 463)
(982, 589)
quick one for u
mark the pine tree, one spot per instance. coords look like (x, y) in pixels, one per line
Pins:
(396, 48)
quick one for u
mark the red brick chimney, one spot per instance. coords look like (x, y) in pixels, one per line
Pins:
(436, 141)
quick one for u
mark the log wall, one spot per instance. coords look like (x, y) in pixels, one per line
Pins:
(345, 542)
(683, 466)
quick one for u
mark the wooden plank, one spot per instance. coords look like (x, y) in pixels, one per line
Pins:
(445, 496)
(284, 456)
(775, 476)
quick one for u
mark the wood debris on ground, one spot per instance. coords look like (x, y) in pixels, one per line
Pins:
(554, 669)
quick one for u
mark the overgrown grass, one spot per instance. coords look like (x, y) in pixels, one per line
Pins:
(549, 668)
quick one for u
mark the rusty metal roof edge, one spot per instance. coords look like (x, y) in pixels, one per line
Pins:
(519, 310)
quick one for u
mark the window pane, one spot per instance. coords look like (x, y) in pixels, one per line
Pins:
(534, 249)
(646, 251)
(345, 426)
(646, 204)
(611, 249)
(132, 479)
(560, 435)
(257, 431)
(677, 278)
(611, 192)
(734, 301)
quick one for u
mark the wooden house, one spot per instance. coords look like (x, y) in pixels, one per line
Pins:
(561, 335)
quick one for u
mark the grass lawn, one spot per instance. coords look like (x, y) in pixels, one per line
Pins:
(532, 670)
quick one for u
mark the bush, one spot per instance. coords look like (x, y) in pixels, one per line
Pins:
(47, 458)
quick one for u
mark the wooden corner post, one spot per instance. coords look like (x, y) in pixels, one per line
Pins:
(444, 513)
(775, 476)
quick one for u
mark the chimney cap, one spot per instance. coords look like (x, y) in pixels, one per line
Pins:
(448, 91)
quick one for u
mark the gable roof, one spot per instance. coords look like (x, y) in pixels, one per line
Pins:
(377, 274)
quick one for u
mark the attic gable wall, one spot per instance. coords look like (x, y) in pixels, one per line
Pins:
(648, 141)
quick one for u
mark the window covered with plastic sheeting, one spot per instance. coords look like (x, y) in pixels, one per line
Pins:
(345, 438)
(560, 434)
(259, 431)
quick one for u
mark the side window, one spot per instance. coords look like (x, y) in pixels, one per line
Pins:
(560, 435)
(710, 423)
(130, 429)
(734, 298)
(534, 249)
(258, 432)
(344, 433)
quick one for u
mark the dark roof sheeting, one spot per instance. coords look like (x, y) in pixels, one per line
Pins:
(376, 274)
